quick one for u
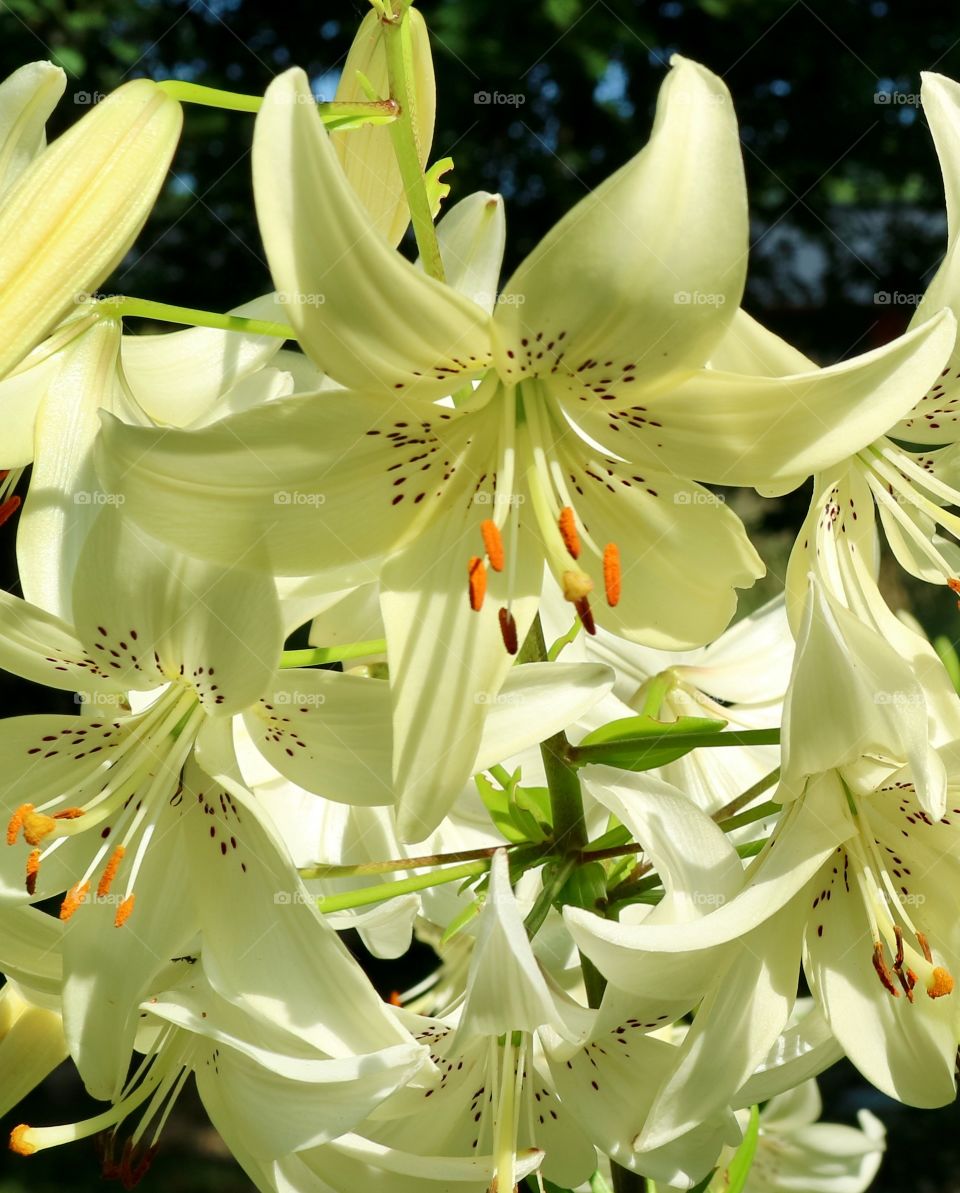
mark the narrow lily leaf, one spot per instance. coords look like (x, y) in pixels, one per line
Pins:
(645, 754)
(742, 1162)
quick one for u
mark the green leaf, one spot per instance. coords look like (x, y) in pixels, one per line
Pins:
(739, 1168)
(585, 887)
(643, 727)
(644, 751)
(704, 1184)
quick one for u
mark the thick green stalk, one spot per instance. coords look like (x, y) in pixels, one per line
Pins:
(403, 132)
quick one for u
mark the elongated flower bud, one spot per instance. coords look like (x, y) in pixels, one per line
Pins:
(27, 97)
(73, 213)
(367, 154)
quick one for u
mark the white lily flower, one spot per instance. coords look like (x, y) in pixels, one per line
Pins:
(269, 1087)
(111, 804)
(72, 213)
(522, 1065)
(796, 1152)
(407, 482)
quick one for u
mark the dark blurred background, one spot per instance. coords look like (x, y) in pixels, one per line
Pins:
(848, 226)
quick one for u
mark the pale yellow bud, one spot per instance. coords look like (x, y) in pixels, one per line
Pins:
(31, 1045)
(366, 153)
(27, 97)
(67, 221)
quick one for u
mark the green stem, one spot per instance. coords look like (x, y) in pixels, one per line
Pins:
(564, 640)
(748, 796)
(544, 901)
(769, 808)
(234, 101)
(400, 863)
(314, 656)
(659, 686)
(390, 890)
(566, 801)
(144, 308)
(403, 132)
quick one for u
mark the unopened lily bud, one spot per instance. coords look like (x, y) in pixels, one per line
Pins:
(27, 97)
(366, 153)
(75, 210)
(31, 1045)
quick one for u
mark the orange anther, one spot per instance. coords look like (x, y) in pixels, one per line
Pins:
(36, 826)
(124, 911)
(16, 822)
(68, 814)
(493, 544)
(19, 1142)
(395, 1000)
(110, 873)
(477, 573)
(924, 946)
(954, 585)
(611, 573)
(941, 982)
(72, 900)
(508, 630)
(33, 869)
(568, 532)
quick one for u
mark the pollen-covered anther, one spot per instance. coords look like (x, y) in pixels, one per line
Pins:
(110, 872)
(567, 525)
(36, 826)
(940, 983)
(611, 574)
(576, 586)
(585, 613)
(954, 585)
(124, 911)
(16, 822)
(477, 579)
(508, 630)
(72, 900)
(68, 814)
(19, 1141)
(33, 869)
(493, 544)
(883, 970)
